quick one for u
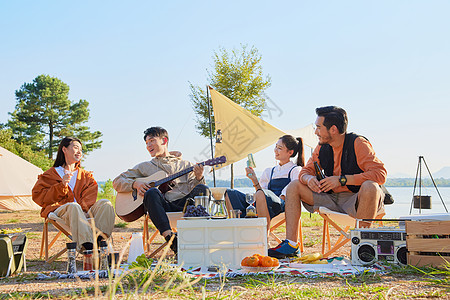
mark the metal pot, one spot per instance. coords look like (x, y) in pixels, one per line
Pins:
(422, 202)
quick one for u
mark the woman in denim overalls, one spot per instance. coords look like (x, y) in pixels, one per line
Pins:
(270, 190)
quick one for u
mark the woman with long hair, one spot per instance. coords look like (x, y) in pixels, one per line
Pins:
(70, 192)
(270, 190)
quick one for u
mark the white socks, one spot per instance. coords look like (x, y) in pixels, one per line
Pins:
(292, 243)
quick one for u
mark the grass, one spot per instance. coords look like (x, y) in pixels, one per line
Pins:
(439, 277)
(121, 225)
(166, 281)
(365, 277)
(11, 221)
(361, 291)
(433, 276)
(34, 235)
(311, 240)
(150, 226)
(308, 220)
(311, 220)
(24, 295)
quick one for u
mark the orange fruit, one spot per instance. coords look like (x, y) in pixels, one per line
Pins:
(244, 262)
(267, 262)
(275, 262)
(252, 261)
(260, 258)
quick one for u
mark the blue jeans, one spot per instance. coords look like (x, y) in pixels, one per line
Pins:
(275, 205)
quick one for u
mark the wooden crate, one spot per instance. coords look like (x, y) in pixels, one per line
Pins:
(428, 243)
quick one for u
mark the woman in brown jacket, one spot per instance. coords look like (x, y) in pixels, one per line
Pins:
(71, 193)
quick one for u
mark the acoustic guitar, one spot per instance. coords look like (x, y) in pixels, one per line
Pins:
(130, 206)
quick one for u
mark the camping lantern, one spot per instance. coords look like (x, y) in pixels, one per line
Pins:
(219, 136)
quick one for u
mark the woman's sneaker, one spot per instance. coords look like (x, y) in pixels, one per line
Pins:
(283, 250)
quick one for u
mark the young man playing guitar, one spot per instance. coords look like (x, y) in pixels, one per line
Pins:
(158, 201)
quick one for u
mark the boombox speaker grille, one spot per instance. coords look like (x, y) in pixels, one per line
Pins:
(366, 253)
(401, 255)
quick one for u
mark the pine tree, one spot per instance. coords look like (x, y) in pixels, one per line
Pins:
(44, 115)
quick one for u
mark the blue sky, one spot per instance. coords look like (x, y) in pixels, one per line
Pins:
(386, 62)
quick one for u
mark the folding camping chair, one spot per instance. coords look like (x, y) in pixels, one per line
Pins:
(279, 220)
(12, 253)
(7, 265)
(59, 224)
(342, 223)
(173, 218)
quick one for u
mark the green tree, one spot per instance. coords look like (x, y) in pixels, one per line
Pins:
(44, 115)
(107, 190)
(37, 158)
(237, 75)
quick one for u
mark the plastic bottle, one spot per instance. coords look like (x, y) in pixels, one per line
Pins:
(136, 247)
(71, 257)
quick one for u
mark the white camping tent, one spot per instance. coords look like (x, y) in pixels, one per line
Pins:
(17, 178)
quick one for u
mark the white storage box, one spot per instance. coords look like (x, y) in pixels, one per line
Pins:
(220, 242)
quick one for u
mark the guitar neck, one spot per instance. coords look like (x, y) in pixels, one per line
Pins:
(176, 175)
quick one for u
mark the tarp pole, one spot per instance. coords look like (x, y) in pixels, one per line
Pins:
(210, 133)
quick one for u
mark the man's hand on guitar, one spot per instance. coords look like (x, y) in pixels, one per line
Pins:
(141, 187)
(198, 172)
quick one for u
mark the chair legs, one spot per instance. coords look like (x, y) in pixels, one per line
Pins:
(281, 222)
(300, 236)
(44, 241)
(45, 245)
(147, 240)
(344, 238)
(145, 234)
(275, 226)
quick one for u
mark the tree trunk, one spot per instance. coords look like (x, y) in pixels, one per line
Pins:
(50, 142)
(232, 177)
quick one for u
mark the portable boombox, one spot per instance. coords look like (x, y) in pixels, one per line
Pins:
(370, 245)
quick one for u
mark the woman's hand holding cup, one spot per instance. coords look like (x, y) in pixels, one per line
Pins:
(67, 176)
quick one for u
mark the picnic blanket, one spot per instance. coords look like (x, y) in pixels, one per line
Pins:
(336, 266)
(79, 274)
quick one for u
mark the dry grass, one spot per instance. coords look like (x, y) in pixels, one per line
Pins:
(166, 282)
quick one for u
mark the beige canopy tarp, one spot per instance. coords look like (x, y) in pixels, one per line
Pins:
(17, 178)
(243, 133)
(307, 134)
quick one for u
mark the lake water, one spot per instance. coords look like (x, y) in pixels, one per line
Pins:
(403, 198)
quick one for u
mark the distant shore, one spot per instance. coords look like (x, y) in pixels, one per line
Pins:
(390, 182)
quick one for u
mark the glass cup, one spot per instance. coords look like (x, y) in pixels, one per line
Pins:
(235, 213)
(203, 201)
